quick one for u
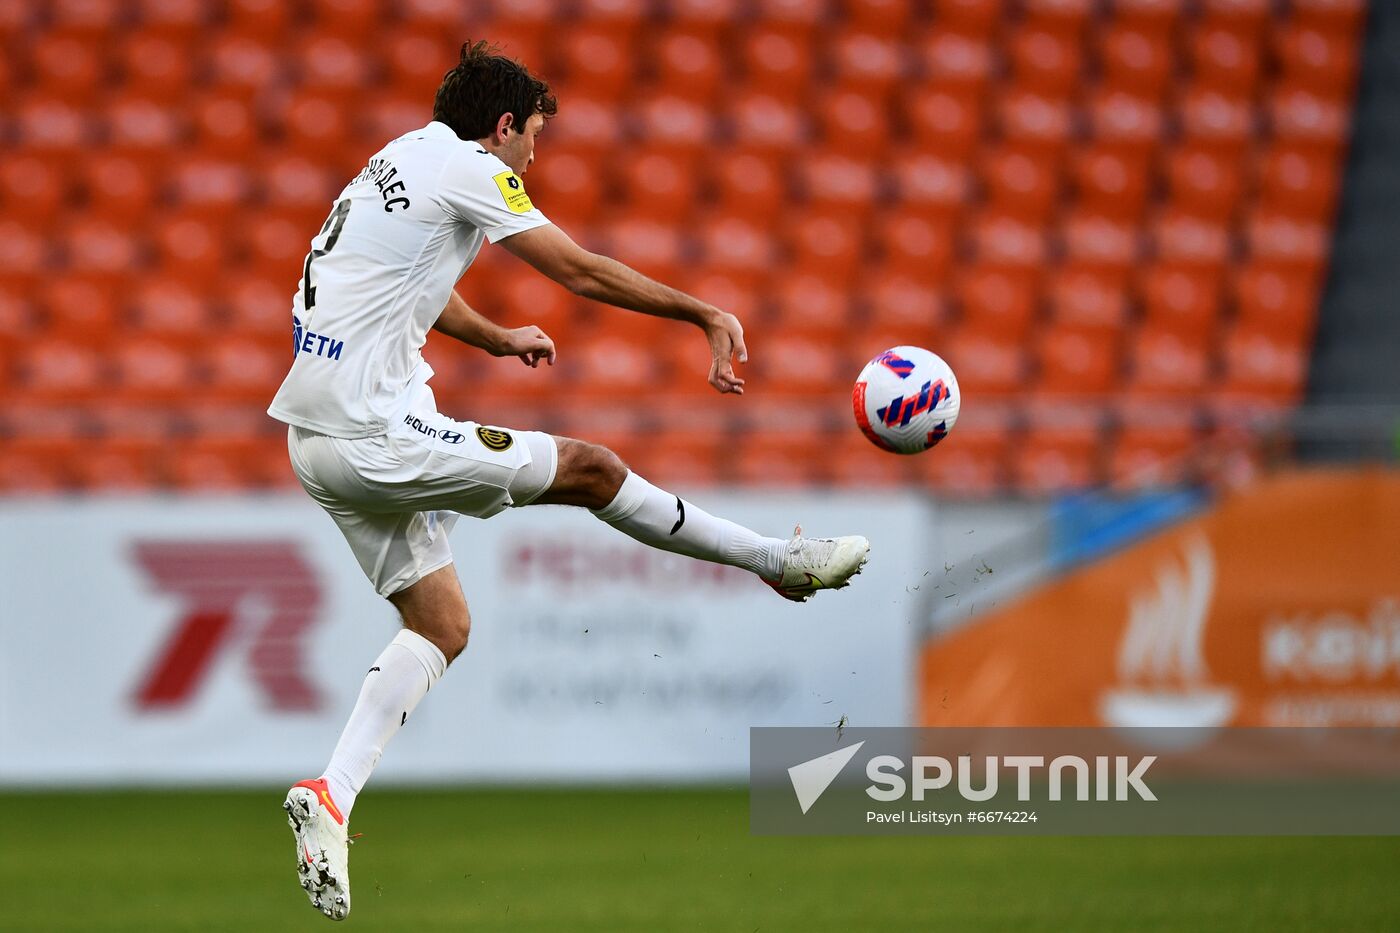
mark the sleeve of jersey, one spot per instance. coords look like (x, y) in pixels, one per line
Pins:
(478, 189)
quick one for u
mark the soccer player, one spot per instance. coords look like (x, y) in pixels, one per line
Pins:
(368, 444)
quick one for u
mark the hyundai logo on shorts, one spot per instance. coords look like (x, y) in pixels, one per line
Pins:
(452, 437)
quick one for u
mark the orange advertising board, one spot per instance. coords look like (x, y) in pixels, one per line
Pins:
(1280, 606)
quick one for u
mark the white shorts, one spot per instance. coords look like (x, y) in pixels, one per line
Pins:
(396, 496)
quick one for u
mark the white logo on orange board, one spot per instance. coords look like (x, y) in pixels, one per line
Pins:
(1162, 673)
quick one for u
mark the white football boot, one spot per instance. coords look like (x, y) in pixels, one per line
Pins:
(811, 564)
(323, 857)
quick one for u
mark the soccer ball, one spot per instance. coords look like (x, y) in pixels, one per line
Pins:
(906, 400)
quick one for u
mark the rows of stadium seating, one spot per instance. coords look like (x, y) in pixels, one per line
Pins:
(1112, 218)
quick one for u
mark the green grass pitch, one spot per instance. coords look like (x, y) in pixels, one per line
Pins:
(617, 860)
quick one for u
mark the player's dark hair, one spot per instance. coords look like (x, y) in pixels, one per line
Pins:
(485, 84)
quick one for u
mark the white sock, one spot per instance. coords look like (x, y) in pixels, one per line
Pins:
(401, 676)
(662, 520)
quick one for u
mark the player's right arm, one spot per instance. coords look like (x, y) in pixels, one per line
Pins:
(601, 278)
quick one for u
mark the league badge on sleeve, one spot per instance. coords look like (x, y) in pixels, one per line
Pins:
(513, 190)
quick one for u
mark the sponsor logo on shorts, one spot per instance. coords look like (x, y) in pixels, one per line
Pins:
(495, 440)
(423, 428)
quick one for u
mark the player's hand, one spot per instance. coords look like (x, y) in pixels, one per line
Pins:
(726, 338)
(530, 344)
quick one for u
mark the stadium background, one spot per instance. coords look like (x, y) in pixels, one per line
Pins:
(1149, 235)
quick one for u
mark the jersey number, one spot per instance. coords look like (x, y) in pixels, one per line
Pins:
(333, 225)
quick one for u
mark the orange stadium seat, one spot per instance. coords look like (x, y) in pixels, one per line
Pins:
(242, 65)
(276, 244)
(932, 186)
(811, 304)
(737, 245)
(166, 306)
(675, 123)
(825, 242)
(734, 294)
(776, 62)
(1163, 363)
(975, 17)
(898, 301)
(588, 123)
(987, 361)
(152, 368)
(954, 60)
(433, 17)
(156, 66)
(1077, 361)
(189, 247)
(1034, 119)
(1185, 300)
(25, 253)
(1007, 241)
(177, 19)
(850, 121)
(224, 125)
(1044, 59)
(255, 304)
(32, 188)
(81, 307)
(1157, 16)
(1064, 16)
(911, 242)
(1316, 58)
(1298, 182)
(1204, 182)
(333, 66)
(654, 247)
(1137, 61)
(797, 363)
(567, 184)
(833, 181)
(602, 366)
(657, 185)
(1339, 16)
(260, 19)
(413, 61)
(1283, 240)
(711, 18)
(1221, 121)
(1111, 182)
(120, 465)
(1275, 301)
(596, 61)
(883, 17)
(801, 19)
(100, 248)
(351, 19)
(1100, 243)
(1058, 451)
(855, 462)
(117, 187)
(782, 460)
(1260, 363)
(61, 368)
(69, 67)
(946, 122)
(314, 123)
(1188, 239)
(1085, 298)
(689, 64)
(36, 465)
(762, 122)
(1299, 114)
(1018, 182)
(1158, 454)
(747, 181)
(869, 63)
(1226, 58)
(50, 127)
(1125, 122)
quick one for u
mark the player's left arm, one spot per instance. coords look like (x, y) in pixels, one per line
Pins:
(463, 322)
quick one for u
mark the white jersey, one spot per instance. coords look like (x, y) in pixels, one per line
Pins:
(380, 272)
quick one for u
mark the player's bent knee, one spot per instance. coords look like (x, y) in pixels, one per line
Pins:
(588, 475)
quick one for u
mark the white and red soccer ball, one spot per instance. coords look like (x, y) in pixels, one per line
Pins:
(906, 400)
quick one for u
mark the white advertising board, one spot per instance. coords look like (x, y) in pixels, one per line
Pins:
(223, 640)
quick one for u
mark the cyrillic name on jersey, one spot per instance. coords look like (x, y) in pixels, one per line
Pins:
(383, 172)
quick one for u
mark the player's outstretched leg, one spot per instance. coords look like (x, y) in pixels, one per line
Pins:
(437, 621)
(595, 478)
